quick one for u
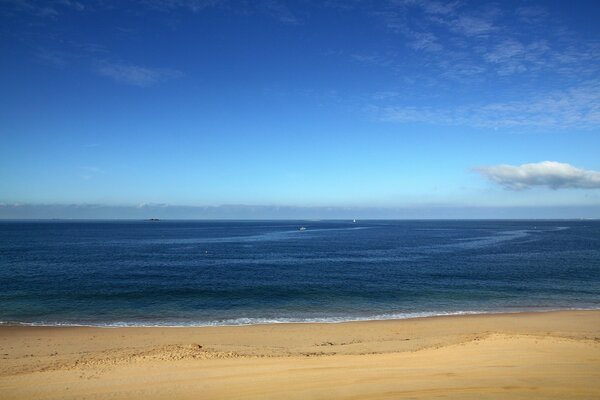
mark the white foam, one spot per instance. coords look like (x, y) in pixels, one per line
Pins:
(282, 320)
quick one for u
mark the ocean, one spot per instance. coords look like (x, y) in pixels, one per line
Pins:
(198, 273)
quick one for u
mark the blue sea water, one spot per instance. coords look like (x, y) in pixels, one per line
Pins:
(235, 272)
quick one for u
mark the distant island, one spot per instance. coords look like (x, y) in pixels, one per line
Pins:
(153, 219)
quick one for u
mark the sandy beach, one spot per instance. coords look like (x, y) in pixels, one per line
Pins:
(554, 355)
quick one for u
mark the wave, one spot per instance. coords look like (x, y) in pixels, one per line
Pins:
(284, 320)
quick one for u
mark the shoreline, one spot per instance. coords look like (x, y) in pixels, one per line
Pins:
(550, 354)
(285, 320)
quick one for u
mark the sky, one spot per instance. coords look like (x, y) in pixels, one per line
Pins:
(299, 109)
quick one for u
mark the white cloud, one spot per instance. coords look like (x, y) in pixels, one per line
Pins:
(552, 174)
(136, 75)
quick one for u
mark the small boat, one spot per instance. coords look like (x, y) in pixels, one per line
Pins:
(302, 228)
(354, 220)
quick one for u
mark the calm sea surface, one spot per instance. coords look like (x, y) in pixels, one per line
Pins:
(207, 273)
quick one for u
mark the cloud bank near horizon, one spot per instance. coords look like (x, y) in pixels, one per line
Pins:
(551, 174)
(240, 212)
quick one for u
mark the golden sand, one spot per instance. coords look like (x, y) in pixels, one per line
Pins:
(554, 355)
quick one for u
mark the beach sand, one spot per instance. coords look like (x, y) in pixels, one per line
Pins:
(552, 355)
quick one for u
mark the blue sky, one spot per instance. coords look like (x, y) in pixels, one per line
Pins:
(389, 105)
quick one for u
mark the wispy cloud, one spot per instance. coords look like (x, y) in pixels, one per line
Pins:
(53, 58)
(44, 9)
(277, 9)
(551, 174)
(423, 41)
(383, 60)
(576, 107)
(532, 13)
(471, 25)
(511, 56)
(87, 173)
(69, 53)
(135, 75)
(191, 5)
(419, 21)
(434, 7)
(473, 41)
